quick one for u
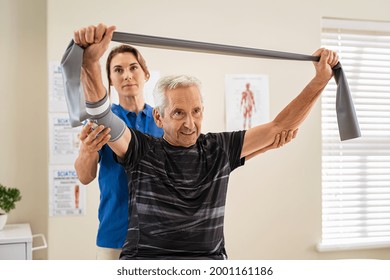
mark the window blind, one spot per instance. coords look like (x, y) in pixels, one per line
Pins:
(356, 173)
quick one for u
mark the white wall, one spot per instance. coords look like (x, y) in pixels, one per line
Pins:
(274, 201)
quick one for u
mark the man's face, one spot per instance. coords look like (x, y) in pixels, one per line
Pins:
(183, 116)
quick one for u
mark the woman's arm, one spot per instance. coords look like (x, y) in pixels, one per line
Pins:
(91, 141)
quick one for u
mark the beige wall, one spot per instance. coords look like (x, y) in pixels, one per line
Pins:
(23, 110)
(274, 202)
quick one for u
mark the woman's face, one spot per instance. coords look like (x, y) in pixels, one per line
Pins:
(127, 76)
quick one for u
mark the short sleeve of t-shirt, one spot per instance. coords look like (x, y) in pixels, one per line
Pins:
(231, 143)
(139, 145)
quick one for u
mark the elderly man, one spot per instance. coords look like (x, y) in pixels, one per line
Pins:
(178, 184)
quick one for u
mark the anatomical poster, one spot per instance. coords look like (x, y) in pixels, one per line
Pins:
(247, 101)
(66, 193)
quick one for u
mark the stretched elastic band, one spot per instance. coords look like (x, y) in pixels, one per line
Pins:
(74, 94)
(345, 110)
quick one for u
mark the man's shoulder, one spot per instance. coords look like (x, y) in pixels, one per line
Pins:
(142, 136)
(211, 135)
(222, 138)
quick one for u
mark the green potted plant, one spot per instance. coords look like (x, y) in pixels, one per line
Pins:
(8, 198)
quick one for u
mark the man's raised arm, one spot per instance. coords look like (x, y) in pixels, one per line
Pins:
(292, 116)
(95, 41)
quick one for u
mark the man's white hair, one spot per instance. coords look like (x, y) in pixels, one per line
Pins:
(172, 82)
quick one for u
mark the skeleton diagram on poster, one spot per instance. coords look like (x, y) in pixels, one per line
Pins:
(247, 101)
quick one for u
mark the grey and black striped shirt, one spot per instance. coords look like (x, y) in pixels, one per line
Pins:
(177, 196)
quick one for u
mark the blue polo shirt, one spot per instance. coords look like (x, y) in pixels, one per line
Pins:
(114, 195)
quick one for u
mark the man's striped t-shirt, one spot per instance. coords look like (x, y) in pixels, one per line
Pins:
(177, 195)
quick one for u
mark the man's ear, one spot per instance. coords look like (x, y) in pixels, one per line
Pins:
(157, 118)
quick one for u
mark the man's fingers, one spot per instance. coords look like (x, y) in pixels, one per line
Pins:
(108, 36)
(79, 38)
(318, 52)
(99, 32)
(335, 59)
(110, 30)
(325, 56)
(330, 57)
(76, 37)
(100, 35)
(90, 34)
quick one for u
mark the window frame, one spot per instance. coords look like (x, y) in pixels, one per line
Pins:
(336, 217)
